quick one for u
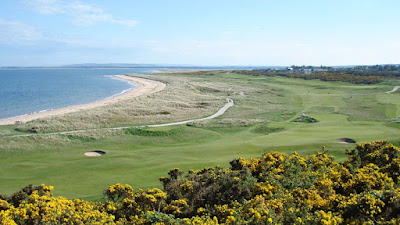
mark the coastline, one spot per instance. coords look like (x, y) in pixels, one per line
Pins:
(145, 87)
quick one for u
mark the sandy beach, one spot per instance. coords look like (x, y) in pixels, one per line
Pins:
(146, 87)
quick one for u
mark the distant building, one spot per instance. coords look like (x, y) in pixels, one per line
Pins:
(307, 71)
(317, 70)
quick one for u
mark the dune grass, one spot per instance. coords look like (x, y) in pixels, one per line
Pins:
(260, 121)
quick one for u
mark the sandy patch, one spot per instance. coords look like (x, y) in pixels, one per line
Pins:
(146, 87)
(394, 89)
(95, 153)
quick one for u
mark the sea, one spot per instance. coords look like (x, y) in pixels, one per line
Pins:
(27, 91)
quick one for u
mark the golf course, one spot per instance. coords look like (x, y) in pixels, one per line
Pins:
(269, 114)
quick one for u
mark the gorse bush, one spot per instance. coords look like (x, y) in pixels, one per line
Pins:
(41, 207)
(275, 188)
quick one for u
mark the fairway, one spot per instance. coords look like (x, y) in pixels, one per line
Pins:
(260, 121)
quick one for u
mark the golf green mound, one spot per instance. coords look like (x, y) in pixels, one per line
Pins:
(95, 153)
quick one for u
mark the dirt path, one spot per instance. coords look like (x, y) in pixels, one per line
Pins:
(220, 112)
(394, 89)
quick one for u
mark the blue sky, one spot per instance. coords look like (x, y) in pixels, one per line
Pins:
(308, 32)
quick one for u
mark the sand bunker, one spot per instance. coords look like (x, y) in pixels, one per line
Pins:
(95, 153)
(346, 141)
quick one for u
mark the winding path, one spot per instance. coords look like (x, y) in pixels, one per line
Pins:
(221, 111)
(394, 89)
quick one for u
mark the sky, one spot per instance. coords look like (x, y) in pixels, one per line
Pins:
(223, 32)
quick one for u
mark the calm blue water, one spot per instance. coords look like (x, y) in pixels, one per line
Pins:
(25, 91)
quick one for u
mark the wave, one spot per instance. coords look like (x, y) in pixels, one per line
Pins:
(134, 85)
(126, 81)
(121, 93)
(27, 114)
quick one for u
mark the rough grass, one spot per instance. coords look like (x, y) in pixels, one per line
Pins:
(259, 122)
(265, 129)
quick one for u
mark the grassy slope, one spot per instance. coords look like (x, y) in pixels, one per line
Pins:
(344, 110)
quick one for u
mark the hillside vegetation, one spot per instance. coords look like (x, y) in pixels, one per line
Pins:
(351, 77)
(275, 188)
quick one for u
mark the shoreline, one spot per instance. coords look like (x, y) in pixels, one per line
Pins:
(145, 87)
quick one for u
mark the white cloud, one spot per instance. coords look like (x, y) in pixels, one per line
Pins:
(299, 45)
(82, 14)
(228, 32)
(48, 7)
(17, 32)
(21, 34)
